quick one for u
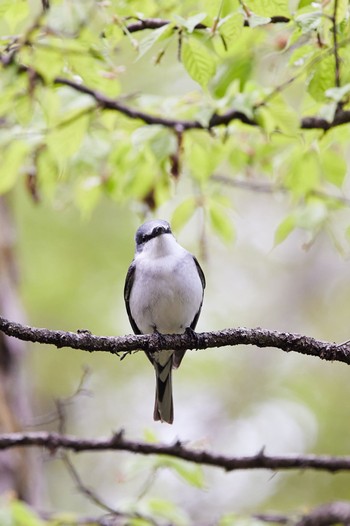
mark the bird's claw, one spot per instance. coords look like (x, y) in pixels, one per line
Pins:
(193, 335)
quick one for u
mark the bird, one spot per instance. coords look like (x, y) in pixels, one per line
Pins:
(163, 293)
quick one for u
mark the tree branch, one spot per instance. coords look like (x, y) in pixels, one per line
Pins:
(117, 442)
(337, 512)
(86, 341)
(155, 23)
(306, 123)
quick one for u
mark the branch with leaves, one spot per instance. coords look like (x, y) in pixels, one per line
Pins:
(85, 341)
(179, 125)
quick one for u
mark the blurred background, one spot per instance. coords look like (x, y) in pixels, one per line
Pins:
(232, 400)
(64, 261)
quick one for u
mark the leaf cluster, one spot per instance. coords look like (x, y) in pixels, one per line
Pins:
(272, 66)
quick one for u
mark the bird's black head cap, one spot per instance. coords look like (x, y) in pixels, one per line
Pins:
(150, 230)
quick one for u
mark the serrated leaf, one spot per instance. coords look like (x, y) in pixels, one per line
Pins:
(183, 213)
(284, 229)
(198, 61)
(230, 28)
(220, 223)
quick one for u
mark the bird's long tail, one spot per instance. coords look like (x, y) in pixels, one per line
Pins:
(163, 407)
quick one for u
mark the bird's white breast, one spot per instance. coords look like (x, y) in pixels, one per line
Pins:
(167, 290)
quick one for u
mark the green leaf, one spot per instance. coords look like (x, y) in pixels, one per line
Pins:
(322, 79)
(337, 94)
(183, 213)
(230, 28)
(16, 13)
(48, 174)
(113, 33)
(309, 21)
(304, 173)
(333, 166)
(64, 140)
(48, 63)
(154, 36)
(342, 9)
(160, 141)
(304, 3)
(88, 193)
(191, 22)
(220, 223)
(193, 475)
(269, 7)
(265, 119)
(257, 20)
(198, 60)
(203, 155)
(167, 510)
(284, 229)
(313, 215)
(11, 161)
(139, 521)
(22, 515)
(285, 118)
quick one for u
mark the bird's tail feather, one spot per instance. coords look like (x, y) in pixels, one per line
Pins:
(163, 407)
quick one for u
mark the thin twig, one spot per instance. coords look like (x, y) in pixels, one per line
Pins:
(335, 44)
(267, 188)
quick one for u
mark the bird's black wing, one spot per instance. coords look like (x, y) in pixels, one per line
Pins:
(178, 355)
(129, 281)
(202, 278)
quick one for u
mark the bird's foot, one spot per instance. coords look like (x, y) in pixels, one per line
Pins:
(160, 340)
(193, 335)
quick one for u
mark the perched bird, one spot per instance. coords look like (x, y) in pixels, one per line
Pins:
(163, 293)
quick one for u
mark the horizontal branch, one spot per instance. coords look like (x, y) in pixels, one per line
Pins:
(306, 123)
(156, 23)
(86, 341)
(117, 442)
